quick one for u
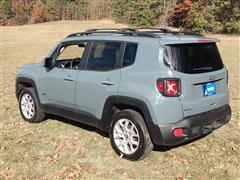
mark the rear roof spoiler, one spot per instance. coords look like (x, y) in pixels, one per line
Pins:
(190, 40)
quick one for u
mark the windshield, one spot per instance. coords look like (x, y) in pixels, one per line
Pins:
(193, 58)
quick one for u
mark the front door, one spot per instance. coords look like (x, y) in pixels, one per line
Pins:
(58, 84)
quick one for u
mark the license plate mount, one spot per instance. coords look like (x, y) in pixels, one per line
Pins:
(209, 89)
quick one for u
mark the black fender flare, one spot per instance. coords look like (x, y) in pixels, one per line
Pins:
(153, 129)
(24, 80)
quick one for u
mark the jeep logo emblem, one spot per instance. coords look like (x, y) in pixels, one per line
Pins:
(212, 78)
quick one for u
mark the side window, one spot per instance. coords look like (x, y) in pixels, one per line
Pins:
(70, 56)
(103, 55)
(129, 54)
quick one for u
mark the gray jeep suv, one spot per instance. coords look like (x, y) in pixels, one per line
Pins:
(143, 86)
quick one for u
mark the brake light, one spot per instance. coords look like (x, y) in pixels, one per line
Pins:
(169, 87)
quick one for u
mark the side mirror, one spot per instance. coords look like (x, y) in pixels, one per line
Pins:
(48, 63)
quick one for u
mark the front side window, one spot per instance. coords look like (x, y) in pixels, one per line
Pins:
(103, 55)
(70, 56)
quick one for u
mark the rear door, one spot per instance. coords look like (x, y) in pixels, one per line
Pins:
(202, 73)
(101, 77)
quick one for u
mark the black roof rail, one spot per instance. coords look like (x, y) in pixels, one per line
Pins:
(129, 33)
(123, 31)
(165, 30)
(143, 32)
(154, 29)
(191, 33)
(150, 30)
(77, 34)
(106, 29)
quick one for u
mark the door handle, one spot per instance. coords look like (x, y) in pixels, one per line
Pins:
(66, 79)
(108, 83)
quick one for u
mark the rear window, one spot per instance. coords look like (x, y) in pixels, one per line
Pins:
(193, 58)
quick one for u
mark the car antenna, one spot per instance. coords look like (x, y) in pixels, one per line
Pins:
(180, 30)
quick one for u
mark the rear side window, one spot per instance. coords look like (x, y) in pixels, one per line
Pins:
(129, 54)
(193, 58)
(103, 55)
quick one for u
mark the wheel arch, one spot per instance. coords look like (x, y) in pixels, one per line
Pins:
(124, 102)
(22, 82)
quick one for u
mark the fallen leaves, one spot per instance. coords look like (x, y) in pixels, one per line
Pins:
(56, 150)
(72, 172)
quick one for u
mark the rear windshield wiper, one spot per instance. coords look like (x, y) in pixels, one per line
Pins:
(203, 69)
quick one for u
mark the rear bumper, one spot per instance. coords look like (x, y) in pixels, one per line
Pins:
(195, 126)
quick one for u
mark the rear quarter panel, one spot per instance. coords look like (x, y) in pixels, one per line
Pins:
(139, 81)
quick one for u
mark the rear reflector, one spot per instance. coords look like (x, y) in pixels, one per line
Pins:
(178, 132)
(169, 87)
(160, 86)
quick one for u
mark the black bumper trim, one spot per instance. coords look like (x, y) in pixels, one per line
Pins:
(195, 125)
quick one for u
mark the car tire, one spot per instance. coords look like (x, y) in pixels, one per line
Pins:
(29, 106)
(129, 135)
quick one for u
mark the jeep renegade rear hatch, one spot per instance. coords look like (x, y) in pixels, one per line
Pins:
(202, 74)
(193, 58)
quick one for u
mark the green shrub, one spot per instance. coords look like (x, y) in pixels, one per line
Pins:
(5, 11)
(232, 26)
(20, 19)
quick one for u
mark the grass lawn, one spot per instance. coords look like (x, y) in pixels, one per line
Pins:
(58, 149)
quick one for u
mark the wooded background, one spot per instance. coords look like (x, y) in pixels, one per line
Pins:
(209, 16)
